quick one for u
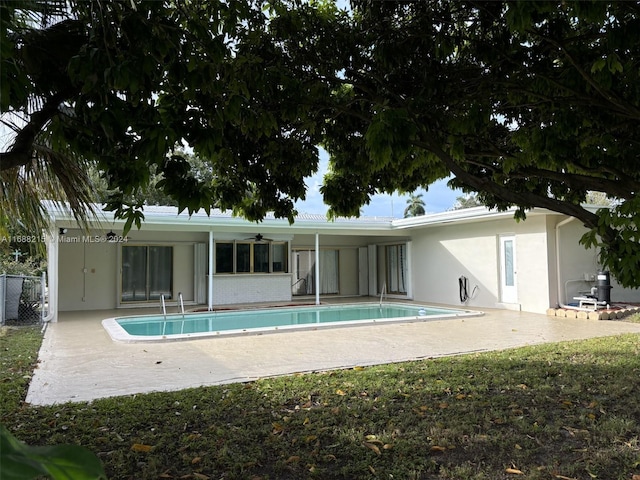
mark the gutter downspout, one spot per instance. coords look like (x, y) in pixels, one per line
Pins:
(317, 269)
(559, 283)
(210, 274)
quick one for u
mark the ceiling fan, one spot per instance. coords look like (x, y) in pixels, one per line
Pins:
(258, 238)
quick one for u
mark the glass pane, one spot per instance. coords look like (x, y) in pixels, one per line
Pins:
(402, 263)
(160, 272)
(134, 274)
(329, 271)
(508, 263)
(261, 257)
(396, 257)
(392, 268)
(279, 257)
(243, 257)
(304, 283)
(224, 257)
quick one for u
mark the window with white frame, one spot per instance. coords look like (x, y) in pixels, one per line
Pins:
(245, 257)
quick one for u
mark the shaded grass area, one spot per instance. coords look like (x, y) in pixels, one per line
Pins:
(558, 411)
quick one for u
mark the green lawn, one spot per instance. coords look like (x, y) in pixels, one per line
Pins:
(559, 411)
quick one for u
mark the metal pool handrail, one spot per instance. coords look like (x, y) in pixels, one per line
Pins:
(384, 289)
(164, 306)
(181, 303)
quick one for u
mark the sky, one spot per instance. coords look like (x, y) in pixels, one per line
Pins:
(438, 198)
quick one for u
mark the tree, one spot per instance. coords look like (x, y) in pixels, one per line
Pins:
(532, 104)
(120, 85)
(415, 206)
(468, 200)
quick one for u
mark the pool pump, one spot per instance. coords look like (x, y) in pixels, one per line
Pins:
(603, 287)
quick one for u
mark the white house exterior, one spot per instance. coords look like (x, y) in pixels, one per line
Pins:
(222, 260)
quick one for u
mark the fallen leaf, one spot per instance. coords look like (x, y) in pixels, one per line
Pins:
(514, 471)
(340, 392)
(358, 368)
(373, 447)
(438, 448)
(310, 438)
(292, 459)
(372, 470)
(387, 446)
(635, 477)
(200, 476)
(139, 447)
(277, 428)
(196, 460)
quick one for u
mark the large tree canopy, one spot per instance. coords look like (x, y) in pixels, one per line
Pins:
(531, 104)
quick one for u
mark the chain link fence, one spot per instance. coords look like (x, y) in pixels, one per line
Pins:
(22, 300)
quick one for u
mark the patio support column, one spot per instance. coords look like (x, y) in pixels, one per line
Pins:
(210, 274)
(317, 269)
(52, 275)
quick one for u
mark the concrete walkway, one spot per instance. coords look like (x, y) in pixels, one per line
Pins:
(80, 362)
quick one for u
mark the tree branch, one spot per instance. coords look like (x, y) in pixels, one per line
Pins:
(21, 151)
(590, 220)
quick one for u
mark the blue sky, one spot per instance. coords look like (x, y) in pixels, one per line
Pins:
(438, 198)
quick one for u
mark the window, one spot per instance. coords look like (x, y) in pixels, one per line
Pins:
(251, 257)
(224, 257)
(279, 263)
(147, 273)
(396, 268)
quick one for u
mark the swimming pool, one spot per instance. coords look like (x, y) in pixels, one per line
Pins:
(150, 328)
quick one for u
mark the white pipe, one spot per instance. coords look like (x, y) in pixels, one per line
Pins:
(558, 279)
(52, 273)
(317, 269)
(210, 274)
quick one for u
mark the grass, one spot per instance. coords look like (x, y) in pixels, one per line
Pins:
(558, 411)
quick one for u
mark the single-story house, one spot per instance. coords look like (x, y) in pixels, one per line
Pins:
(473, 258)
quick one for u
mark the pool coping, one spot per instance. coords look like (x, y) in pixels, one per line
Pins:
(120, 335)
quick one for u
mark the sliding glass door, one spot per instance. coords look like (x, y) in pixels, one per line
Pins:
(304, 265)
(396, 268)
(147, 273)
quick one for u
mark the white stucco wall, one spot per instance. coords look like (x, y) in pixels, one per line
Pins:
(87, 272)
(444, 253)
(348, 270)
(575, 262)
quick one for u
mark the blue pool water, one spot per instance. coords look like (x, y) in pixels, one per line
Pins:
(150, 328)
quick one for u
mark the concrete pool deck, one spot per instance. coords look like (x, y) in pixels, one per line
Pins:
(79, 362)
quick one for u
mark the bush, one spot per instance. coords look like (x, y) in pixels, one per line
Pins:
(29, 267)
